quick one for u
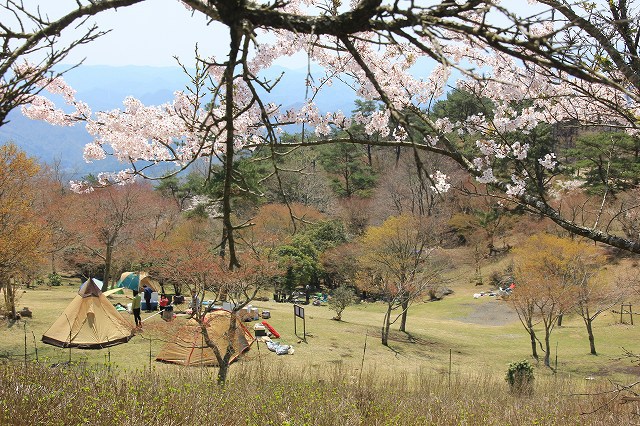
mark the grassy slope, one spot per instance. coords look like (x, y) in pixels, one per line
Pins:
(480, 334)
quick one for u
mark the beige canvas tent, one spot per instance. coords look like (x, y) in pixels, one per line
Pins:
(90, 321)
(187, 347)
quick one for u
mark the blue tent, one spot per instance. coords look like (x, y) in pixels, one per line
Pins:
(135, 281)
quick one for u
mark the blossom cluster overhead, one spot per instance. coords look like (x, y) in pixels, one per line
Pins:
(194, 125)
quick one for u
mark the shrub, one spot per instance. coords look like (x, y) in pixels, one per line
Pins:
(55, 280)
(520, 377)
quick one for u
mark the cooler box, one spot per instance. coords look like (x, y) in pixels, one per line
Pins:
(260, 330)
(153, 303)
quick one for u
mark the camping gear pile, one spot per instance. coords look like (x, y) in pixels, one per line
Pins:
(279, 348)
(249, 313)
(265, 332)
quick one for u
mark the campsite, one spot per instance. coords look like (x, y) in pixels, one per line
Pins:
(460, 339)
(319, 212)
(483, 334)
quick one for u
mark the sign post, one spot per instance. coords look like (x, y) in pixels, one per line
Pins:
(298, 312)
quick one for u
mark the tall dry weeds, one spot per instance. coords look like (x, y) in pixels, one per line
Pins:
(37, 394)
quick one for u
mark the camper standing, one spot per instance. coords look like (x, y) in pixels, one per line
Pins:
(147, 296)
(135, 306)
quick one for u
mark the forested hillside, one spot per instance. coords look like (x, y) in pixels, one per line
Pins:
(359, 216)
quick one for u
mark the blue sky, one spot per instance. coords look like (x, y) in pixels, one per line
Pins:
(146, 34)
(151, 33)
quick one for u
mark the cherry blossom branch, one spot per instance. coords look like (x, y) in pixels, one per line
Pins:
(19, 80)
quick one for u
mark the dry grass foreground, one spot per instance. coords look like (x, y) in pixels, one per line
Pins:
(274, 394)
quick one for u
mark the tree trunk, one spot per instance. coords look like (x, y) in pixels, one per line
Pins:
(10, 301)
(223, 370)
(560, 320)
(592, 342)
(385, 327)
(223, 361)
(230, 140)
(403, 320)
(106, 276)
(547, 346)
(347, 182)
(534, 350)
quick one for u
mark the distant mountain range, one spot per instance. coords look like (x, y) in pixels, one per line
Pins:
(104, 88)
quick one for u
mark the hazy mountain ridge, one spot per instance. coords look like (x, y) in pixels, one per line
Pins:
(104, 88)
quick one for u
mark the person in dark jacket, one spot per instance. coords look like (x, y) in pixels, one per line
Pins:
(147, 296)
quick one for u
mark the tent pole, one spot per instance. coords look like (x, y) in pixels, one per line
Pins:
(35, 346)
(151, 316)
(25, 344)
(69, 322)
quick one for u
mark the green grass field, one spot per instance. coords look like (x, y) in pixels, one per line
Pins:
(458, 334)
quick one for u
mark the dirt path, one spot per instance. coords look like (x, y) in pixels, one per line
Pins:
(492, 312)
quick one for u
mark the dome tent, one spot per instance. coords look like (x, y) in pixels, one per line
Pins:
(90, 322)
(136, 280)
(187, 347)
